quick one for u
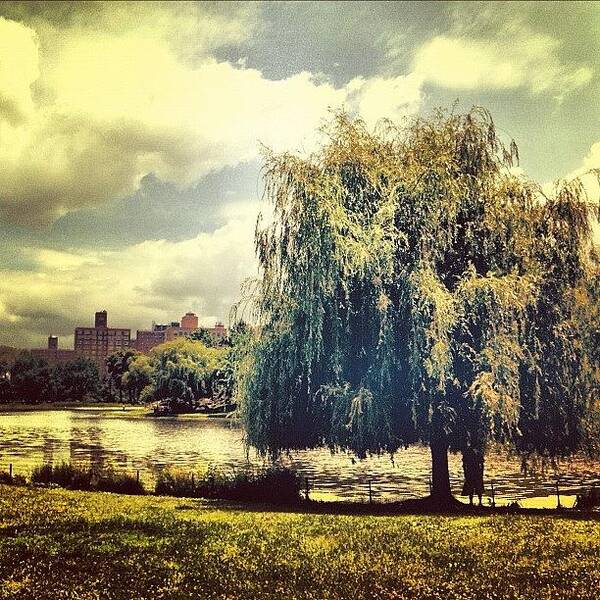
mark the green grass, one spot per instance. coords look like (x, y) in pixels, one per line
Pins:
(79, 545)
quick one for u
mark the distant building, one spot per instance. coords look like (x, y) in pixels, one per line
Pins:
(101, 320)
(147, 339)
(176, 329)
(189, 322)
(163, 332)
(100, 341)
(219, 331)
(52, 353)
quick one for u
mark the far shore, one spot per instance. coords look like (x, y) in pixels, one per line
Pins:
(108, 408)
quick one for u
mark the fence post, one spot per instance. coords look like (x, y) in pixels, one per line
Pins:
(137, 476)
(10, 471)
(306, 488)
(558, 505)
(370, 493)
(493, 496)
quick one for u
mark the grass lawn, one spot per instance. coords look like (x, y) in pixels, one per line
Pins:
(62, 544)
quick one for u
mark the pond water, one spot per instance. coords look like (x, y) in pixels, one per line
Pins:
(130, 442)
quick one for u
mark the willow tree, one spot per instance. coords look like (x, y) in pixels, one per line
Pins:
(401, 271)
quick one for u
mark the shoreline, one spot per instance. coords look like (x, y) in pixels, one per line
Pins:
(411, 507)
(107, 408)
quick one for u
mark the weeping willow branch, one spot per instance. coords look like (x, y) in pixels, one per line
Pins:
(407, 276)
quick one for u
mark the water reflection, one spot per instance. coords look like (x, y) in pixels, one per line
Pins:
(131, 443)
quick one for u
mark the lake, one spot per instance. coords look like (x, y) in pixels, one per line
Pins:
(127, 441)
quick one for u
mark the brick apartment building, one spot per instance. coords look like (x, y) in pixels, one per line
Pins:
(149, 338)
(53, 354)
(146, 340)
(189, 321)
(219, 331)
(100, 341)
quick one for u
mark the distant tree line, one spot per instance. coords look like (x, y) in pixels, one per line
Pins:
(31, 380)
(182, 375)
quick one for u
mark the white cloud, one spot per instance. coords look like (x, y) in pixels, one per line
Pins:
(154, 280)
(112, 107)
(515, 57)
(89, 108)
(586, 174)
(393, 98)
(591, 181)
(588, 179)
(18, 70)
(122, 107)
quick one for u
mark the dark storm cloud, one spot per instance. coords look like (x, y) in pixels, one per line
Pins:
(160, 210)
(342, 40)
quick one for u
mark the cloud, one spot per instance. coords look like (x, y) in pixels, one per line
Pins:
(124, 108)
(18, 70)
(393, 97)
(153, 280)
(588, 173)
(191, 29)
(89, 111)
(159, 210)
(512, 56)
(589, 180)
(91, 107)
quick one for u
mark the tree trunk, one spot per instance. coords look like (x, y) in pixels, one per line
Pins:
(473, 468)
(440, 489)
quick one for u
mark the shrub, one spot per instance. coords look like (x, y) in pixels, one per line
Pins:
(270, 486)
(86, 478)
(589, 499)
(6, 478)
(175, 483)
(119, 483)
(42, 474)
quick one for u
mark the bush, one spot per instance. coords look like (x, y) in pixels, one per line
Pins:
(588, 500)
(175, 483)
(119, 483)
(6, 478)
(86, 478)
(42, 474)
(271, 486)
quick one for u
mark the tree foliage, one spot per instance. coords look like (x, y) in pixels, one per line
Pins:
(29, 378)
(413, 288)
(117, 365)
(74, 381)
(204, 336)
(185, 369)
(33, 380)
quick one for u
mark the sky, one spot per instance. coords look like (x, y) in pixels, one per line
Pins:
(131, 133)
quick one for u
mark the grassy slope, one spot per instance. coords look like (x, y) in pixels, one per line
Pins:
(61, 544)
